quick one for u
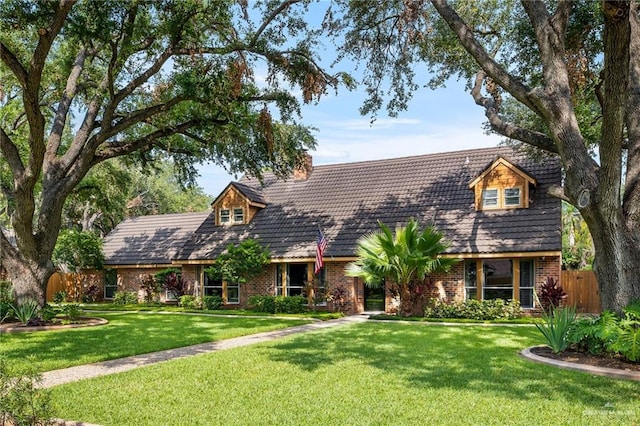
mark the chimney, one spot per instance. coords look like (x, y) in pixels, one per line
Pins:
(303, 171)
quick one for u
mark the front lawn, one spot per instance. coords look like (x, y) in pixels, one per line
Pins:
(162, 307)
(360, 374)
(126, 334)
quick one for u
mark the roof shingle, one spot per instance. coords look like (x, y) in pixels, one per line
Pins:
(347, 200)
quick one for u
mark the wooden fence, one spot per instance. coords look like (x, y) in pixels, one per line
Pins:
(582, 290)
(74, 285)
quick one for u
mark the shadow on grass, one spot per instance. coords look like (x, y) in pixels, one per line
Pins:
(125, 335)
(481, 359)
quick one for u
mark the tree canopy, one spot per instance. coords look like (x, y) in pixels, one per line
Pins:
(557, 77)
(84, 82)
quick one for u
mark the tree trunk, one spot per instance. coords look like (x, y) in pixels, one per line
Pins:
(29, 279)
(616, 266)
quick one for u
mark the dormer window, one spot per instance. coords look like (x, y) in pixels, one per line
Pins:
(489, 198)
(237, 204)
(502, 185)
(225, 216)
(494, 198)
(512, 197)
(238, 216)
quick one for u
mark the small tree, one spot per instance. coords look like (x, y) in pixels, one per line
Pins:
(403, 260)
(551, 294)
(149, 285)
(171, 281)
(240, 263)
(75, 251)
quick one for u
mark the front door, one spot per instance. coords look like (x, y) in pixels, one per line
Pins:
(374, 298)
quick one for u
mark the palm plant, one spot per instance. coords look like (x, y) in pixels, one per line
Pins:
(404, 259)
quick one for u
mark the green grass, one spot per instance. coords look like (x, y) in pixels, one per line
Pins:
(126, 334)
(361, 374)
(161, 307)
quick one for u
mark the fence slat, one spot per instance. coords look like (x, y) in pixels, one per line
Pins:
(582, 290)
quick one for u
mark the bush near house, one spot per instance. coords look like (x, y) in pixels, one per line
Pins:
(474, 309)
(278, 304)
(551, 294)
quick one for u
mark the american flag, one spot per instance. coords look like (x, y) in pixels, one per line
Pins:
(320, 248)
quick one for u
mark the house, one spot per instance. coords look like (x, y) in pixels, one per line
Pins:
(491, 204)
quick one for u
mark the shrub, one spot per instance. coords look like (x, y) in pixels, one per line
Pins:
(609, 333)
(473, 309)
(91, 294)
(47, 313)
(171, 281)
(290, 304)
(59, 296)
(26, 311)
(551, 294)
(339, 297)
(21, 402)
(190, 302)
(149, 286)
(211, 303)
(72, 311)
(556, 327)
(265, 304)
(125, 298)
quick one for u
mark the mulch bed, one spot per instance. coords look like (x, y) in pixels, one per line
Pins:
(17, 327)
(588, 359)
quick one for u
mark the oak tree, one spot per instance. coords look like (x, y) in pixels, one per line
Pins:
(83, 82)
(559, 76)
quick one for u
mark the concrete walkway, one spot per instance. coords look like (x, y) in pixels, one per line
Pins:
(72, 374)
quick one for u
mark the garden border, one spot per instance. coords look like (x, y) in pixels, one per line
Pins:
(590, 369)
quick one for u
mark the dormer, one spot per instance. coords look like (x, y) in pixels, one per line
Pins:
(237, 204)
(502, 185)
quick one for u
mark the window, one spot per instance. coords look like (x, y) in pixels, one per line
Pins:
(230, 292)
(527, 283)
(295, 280)
(238, 216)
(212, 286)
(225, 216)
(498, 279)
(110, 283)
(470, 280)
(489, 198)
(233, 293)
(512, 197)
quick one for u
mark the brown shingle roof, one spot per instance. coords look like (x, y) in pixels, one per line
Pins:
(347, 200)
(149, 240)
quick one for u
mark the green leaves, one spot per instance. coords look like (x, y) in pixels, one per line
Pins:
(556, 327)
(404, 258)
(240, 263)
(77, 250)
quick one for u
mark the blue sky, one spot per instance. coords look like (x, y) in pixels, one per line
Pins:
(443, 120)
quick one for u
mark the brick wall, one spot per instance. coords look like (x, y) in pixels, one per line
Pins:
(448, 287)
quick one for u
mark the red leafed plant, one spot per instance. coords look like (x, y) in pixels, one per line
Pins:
(551, 294)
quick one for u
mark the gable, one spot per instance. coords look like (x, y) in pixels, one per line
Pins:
(502, 185)
(236, 205)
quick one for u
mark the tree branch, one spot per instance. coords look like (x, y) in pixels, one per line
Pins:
(508, 82)
(274, 14)
(12, 62)
(11, 154)
(510, 130)
(117, 149)
(69, 93)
